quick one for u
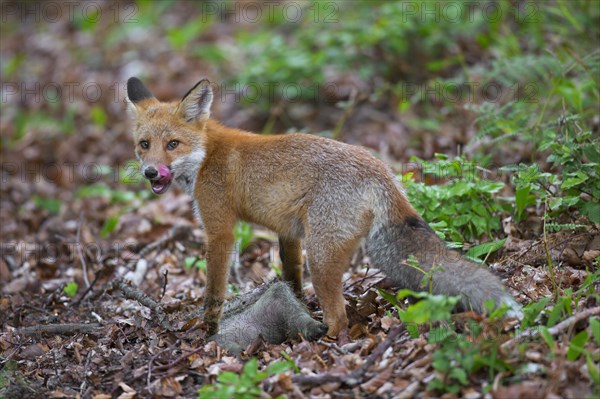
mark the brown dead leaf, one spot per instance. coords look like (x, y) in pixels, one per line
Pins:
(190, 323)
(128, 392)
(590, 256)
(4, 304)
(358, 330)
(127, 395)
(367, 304)
(470, 393)
(33, 351)
(387, 322)
(368, 344)
(4, 272)
(285, 381)
(168, 386)
(526, 390)
(330, 387)
(376, 382)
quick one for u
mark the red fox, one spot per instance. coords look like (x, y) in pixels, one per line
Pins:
(307, 188)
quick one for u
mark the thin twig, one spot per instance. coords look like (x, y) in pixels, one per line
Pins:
(145, 300)
(179, 359)
(547, 250)
(357, 374)
(80, 252)
(87, 291)
(150, 363)
(554, 330)
(62, 329)
(164, 288)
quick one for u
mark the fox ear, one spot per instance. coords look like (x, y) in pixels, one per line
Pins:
(195, 105)
(136, 92)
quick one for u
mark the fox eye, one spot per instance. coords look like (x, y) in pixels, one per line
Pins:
(145, 144)
(172, 144)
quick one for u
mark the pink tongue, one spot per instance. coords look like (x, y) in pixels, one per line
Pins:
(164, 172)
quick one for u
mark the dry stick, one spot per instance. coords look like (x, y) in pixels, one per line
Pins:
(178, 359)
(346, 114)
(378, 352)
(406, 371)
(173, 233)
(554, 330)
(80, 251)
(355, 377)
(547, 250)
(165, 366)
(164, 288)
(145, 300)
(87, 291)
(151, 362)
(66, 329)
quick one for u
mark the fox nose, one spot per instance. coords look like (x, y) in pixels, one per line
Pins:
(150, 172)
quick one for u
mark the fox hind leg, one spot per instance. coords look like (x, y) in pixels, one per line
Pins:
(328, 259)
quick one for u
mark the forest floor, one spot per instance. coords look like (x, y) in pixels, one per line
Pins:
(76, 215)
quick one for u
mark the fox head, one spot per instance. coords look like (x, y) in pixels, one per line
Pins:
(169, 137)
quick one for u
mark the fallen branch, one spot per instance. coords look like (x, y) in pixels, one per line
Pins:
(355, 377)
(554, 330)
(134, 294)
(62, 329)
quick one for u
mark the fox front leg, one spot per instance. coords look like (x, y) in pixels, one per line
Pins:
(217, 268)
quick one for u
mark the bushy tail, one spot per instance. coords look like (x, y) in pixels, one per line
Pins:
(389, 246)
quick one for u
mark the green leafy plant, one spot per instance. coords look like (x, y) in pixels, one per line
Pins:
(110, 224)
(8, 369)
(243, 235)
(52, 205)
(71, 289)
(470, 209)
(246, 385)
(482, 251)
(428, 309)
(459, 356)
(194, 261)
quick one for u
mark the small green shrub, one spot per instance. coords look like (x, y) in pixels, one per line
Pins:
(246, 385)
(463, 209)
